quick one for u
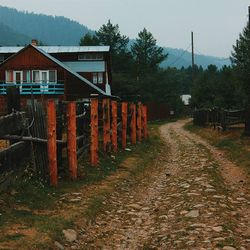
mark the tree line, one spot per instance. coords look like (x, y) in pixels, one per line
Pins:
(137, 71)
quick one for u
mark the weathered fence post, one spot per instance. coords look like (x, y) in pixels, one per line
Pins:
(72, 155)
(51, 110)
(124, 124)
(139, 128)
(94, 132)
(144, 120)
(133, 123)
(114, 126)
(247, 121)
(106, 124)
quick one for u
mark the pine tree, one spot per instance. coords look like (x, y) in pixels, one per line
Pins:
(89, 40)
(146, 53)
(109, 34)
(241, 60)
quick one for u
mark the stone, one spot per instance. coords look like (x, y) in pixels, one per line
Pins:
(70, 235)
(218, 229)
(59, 245)
(75, 200)
(193, 214)
(134, 206)
(228, 248)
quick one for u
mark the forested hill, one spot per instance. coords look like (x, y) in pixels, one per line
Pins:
(11, 37)
(180, 58)
(18, 28)
(48, 29)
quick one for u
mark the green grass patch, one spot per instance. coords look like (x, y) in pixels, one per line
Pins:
(26, 201)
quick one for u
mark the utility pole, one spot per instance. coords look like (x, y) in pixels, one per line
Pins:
(192, 42)
(249, 17)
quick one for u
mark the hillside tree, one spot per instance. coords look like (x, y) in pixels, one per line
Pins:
(147, 54)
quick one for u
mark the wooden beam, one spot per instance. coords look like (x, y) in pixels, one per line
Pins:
(52, 157)
(94, 133)
(133, 123)
(145, 122)
(29, 139)
(72, 151)
(124, 124)
(139, 123)
(106, 124)
(114, 126)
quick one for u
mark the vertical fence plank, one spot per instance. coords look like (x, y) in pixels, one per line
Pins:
(133, 123)
(72, 156)
(114, 126)
(94, 133)
(144, 119)
(139, 127)
(124, 124)
(51, 116)
(106, 124)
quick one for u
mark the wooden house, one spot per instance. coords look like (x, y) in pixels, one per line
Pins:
(60, 72)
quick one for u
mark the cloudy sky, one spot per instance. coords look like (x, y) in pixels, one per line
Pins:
(216, 23)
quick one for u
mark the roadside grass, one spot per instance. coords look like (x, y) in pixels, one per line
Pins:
(30, 204)
(232, 142)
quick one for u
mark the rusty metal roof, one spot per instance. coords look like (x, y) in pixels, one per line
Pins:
(59, 49)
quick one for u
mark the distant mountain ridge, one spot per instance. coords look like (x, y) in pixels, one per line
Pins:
(18, 28)
(180, 58)
(50, 30)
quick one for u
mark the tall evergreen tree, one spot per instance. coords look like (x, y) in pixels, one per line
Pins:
(109, 34)
(241, 59)
(89, 40)
(146, 52)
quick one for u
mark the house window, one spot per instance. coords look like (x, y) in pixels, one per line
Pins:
(100, 77)
(44, 76)
(26, 76)
(52, 76)
(36, 76)
(95, 78)
(90, 56)
(9, 76)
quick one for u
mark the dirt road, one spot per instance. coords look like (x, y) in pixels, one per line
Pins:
(182, 203)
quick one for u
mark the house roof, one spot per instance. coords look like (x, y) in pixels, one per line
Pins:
(59, 49)
(69, 69)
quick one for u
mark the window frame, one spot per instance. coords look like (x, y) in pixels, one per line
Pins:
(92, 57)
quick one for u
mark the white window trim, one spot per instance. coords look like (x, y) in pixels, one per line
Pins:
(81, 57)
(6, 76)
(44, 88)
(40, 75)
(14, 76)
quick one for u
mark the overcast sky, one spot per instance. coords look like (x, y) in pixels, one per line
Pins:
(216, 23)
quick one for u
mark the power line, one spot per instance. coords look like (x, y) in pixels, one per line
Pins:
(218, 59)
(182, 54)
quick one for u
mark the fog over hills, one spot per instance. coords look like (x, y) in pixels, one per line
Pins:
(18, 28)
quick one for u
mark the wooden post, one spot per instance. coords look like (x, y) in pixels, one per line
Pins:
(124, 124)
(144, 115)
(72, 155)
(139, 121)
(133, 123)
(94, 133)
(106, 124)
(114, 126)
(51, 115)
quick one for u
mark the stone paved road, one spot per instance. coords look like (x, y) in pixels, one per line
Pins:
(184, 204)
